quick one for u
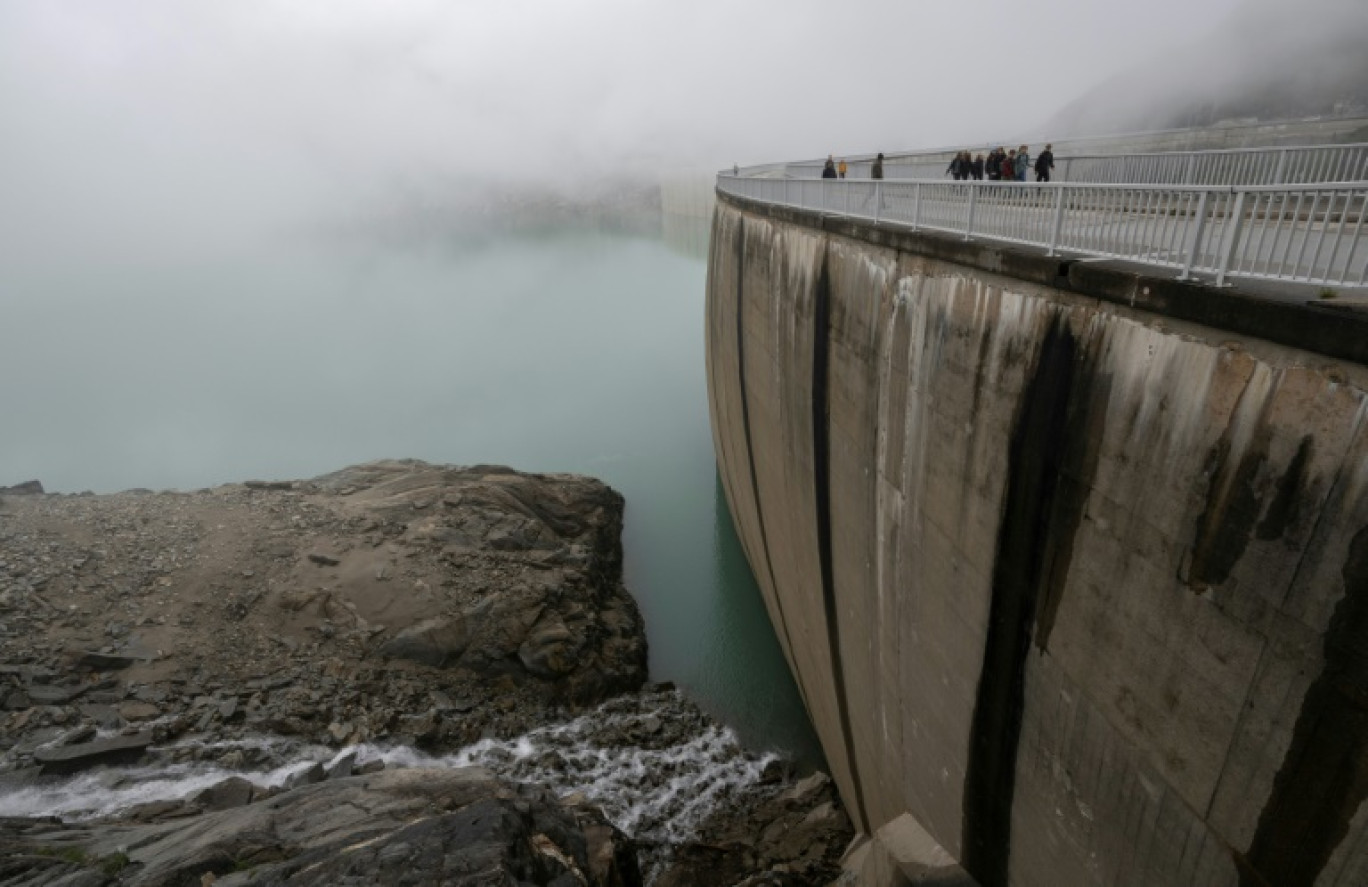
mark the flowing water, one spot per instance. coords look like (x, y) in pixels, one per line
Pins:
(658, 782)
(563, 351)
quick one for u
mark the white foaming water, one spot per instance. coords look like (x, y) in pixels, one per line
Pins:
(106, 791)
(654, 790)
(653, 781)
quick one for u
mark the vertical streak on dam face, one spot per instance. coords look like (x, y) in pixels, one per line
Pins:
(1324, 777)
(1033, 471)
(821, 457)
(750, 450)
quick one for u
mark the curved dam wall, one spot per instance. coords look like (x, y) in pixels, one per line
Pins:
(1077, 582)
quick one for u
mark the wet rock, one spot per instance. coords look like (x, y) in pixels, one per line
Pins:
(76, 736)
(73, 758)
(342, 767)
(455, 827)
(231, 792)
(27, 488)
(308, 776)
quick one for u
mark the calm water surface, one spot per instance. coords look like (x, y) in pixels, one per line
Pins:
(571, 351)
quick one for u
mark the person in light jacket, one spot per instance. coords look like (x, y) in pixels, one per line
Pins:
(1023, 163)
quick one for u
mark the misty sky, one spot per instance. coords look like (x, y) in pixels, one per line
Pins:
(316, 93)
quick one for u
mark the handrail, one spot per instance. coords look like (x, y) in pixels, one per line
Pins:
(1312, 234)
(1303, 164)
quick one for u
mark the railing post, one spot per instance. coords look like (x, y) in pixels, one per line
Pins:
(916, 205)
(1191, 165)
(1282, 168)
(1196, 239)
(878, 200)
(1233, 241)
(846, 189)
(973, 205)
(1058, 222)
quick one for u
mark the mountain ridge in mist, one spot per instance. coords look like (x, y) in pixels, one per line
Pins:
(1268, 61)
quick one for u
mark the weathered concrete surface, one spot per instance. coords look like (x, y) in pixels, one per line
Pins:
(1082, 589)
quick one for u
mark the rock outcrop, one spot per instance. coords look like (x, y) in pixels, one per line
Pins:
(394, 601)
(449, 827)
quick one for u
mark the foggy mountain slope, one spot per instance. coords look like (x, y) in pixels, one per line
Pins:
(1269, 60)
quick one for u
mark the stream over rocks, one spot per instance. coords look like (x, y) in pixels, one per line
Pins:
(393, 669)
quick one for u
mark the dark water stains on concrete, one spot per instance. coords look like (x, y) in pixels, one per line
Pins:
(821, 459)
(1084, 426)
(1039, 440)
(1292, 491)
(1233, 505)
(1324, 776)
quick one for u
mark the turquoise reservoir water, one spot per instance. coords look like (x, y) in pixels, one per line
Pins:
(567, 351)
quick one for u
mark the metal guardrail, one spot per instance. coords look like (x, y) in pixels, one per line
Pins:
(1307, 165)
(1313, 234)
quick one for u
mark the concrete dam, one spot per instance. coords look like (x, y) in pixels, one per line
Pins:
(1070, 562)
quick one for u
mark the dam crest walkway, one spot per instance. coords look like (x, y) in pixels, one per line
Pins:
(1290, 215)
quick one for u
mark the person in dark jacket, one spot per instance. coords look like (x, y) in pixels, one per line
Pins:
(976, 168)
(829, 168)
(1044, 163)
(993, 166)
(1009, 166)
(876, 169)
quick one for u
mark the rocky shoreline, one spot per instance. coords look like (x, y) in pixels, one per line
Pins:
(350, 670)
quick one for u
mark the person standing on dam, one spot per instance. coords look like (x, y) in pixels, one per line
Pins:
(1023, 163)
(1044, 163)
(876, 170)
(994, 165)
(829, 168)
(841, 168)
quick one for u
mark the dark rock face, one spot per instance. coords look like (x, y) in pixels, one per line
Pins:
(790, 835)
(447, 827)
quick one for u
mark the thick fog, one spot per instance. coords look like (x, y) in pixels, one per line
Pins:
(181, 111)
(1267, 60)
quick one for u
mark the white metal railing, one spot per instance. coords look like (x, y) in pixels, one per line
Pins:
(1311, 234)
(1307, 165)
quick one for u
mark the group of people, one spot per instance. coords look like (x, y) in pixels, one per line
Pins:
(833, 170)
(1002, 166)
(998, 166)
